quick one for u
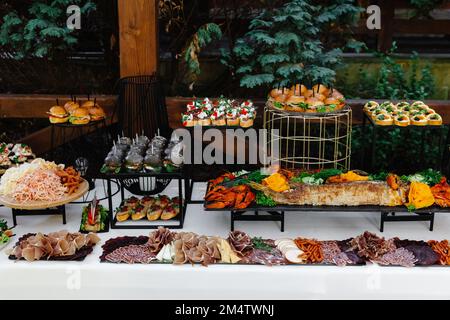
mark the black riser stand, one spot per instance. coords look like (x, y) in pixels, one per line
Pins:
(61, 210)
(392, 217)
(180, 217)
(272, 216)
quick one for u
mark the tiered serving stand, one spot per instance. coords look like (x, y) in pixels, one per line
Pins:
(146, 183)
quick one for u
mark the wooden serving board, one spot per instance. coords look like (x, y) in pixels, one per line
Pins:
(38, 205)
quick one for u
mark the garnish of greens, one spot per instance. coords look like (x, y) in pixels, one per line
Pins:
(105, 169)
(254, 176)
(3, 225)
(380, 176)
(316, 178)
(258, 243)
(322, 109)
(264, 201)
(278, 105)
(3, 237)
(428, 176)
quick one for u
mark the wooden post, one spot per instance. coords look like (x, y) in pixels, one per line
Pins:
(387, 25)
(138, 29)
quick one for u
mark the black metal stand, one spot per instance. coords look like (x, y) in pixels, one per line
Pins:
(369, 166)
(121, 177)
(61, 210)
(411, 216)
(388, 214)
(272, 216)
(67, 133)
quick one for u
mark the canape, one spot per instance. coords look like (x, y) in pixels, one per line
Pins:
(218, 118)
(370, 105)
(154, 212)
(384, 120)
(434, 119)
(402, 120)
(139, 213)
(204, 118)
(123, 214)
(419, 120)
(188, 120)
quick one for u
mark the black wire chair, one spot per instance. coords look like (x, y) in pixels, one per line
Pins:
(142, 109)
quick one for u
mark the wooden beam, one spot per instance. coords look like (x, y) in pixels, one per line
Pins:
(35, 106)
(138, 37)
(386, 33)
(421, 26)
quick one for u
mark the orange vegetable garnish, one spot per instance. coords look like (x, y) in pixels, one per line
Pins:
(420, 195)
(347, 177)
(277, 182)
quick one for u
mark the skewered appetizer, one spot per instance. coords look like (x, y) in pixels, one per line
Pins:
(141, 154)
(402, 113)
(58, 114)
(319, 99)
(94, 217)
(218, 113)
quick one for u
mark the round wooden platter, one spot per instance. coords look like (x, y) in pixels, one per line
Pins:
(39, 205)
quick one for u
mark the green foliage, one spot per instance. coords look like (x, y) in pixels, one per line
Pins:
(400, 150)
(379, 176)
(41, 30)
(283, 45)
(393, 80)
(423, 7)
(428, 176)
(205, 35)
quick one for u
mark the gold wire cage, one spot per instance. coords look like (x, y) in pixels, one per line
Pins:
(308, 140)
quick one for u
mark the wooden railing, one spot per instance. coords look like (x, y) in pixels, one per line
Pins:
(36, 106)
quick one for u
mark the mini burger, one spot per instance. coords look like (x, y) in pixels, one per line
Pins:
(97, 113)
(80, 116)
(58, 114)
(299, 89)
(320, 88)
(89, 104)
(71, 106)
(296, 103)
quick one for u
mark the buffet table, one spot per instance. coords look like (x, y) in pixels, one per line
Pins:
(91, 279)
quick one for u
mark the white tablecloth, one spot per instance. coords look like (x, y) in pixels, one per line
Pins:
(91, 279)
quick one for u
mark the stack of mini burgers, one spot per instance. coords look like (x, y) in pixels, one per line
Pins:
(221, 112)
(75, 113)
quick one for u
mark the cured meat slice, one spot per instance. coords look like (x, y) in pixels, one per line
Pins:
(132, 254)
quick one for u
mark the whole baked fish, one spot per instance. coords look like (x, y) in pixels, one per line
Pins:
(357, 193)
